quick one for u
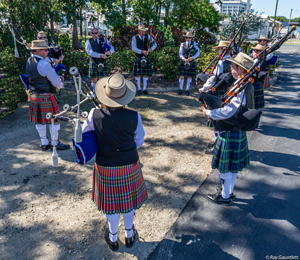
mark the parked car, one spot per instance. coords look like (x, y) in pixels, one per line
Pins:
(65, 29)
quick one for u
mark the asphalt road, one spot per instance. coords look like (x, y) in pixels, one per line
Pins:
(264, 220)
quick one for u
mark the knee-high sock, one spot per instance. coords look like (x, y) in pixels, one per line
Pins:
(181, 81)
(42, 133)
(145, 81)
(138, 82)
(217, 134)
(128, 222)
(56, 129)
(188, 83)
(233, 178)
(226, 181)
(94, 87)
(113, 224)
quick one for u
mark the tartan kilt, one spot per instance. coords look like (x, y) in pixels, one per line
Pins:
(139, 71)
(118, 189)
(40, 105)
(188, 73)
(231, 152)
(259, 100)
(266, 83)
(93, 72)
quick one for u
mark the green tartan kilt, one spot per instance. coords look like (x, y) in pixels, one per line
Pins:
(188, 73)
(231, 152)
(259, 101)
(93, 72)
(139, 71)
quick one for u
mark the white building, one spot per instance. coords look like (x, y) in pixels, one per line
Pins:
(233, 7)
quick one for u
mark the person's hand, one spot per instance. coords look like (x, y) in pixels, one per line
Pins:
(190, 59)
(107, 53)
(56, 61)
(204, 111)
(61, 58)
(61, 78)
(185, 60)
(103, 56)
(200, 90)
(149, 50)
(145, 53)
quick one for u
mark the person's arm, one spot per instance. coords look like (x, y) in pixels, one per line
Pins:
(44, 69)
(154, 45)
(139, 133)
(133, 46)
(269, 56)
(181, 52)
(209, 83)
(88, 125)
(90, 52)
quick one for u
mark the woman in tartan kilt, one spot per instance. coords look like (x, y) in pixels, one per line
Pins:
(118, 183)
(231, 153)
(222, 67)
(188, 52)
(43, 82)
(142, 45)
(95, 48)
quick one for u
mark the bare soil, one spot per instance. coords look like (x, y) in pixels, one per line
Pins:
(47, 212)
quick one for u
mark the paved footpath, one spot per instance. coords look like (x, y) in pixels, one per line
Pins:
(264, 220)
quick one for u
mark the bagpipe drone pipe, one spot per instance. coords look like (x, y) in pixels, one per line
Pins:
(203, 76)
(244, 119)
(82, 89)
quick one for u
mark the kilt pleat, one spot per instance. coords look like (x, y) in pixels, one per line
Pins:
(188, 73)
(40, 105)
(93, 72)
(266, 83)
(259, 101)
(139, 71)
(231, 152)
(118, 189)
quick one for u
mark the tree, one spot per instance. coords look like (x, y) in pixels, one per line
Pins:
(280, 18)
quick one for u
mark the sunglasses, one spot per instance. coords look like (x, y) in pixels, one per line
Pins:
(42, 37)
(94, 33)
(188, 38)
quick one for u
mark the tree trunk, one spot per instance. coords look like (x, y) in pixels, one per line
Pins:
(51, 23)
(80, 27)
(124, 11)
(75, 44)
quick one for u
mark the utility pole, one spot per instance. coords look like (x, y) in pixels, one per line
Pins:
(275, 18)
(290, 19)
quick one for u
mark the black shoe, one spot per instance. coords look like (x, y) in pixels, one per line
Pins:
(179, 92)
(130, 241)
(231, 195)
(139, 92)
(46, 147)
(146, 92)
(210, 145)
(218, 199)
(187, 93)
(61, 146)
(114, 246)
(210, 150)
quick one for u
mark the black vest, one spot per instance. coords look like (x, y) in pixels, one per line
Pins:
(141, 45)
(97, 47)
(115, 137)
(226, 66)
(37, 83)
(186, 49)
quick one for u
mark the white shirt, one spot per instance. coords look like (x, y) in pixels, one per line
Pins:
(181, 51)
(134, 47)
(229, 109)
(217, 71)
(44, 69)
(139, 133)
(93, 54)
(269, 56)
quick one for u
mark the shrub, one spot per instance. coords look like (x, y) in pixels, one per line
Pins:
(76, 58)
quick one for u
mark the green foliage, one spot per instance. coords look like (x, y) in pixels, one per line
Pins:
(65, 41)
(123, 60)
(76, 58)
(280, 18)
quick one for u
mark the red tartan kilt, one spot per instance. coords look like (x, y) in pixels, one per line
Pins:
(266, 83)
(118, 189)
(40, 105)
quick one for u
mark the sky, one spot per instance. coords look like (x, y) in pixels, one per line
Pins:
(283, 9)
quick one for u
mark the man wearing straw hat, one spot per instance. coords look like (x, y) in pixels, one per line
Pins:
(231, 153)
(94, 47)
(222, 67)
(188, 52)
(142, 45)
(118, 184)
(43, 81)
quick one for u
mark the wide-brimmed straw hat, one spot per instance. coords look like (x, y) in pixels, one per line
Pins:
(222, 44)
(189, 35)
(38, 45)
(242, 60)
(259, 47)
(142, 28)
(264, 38)
(115, 91)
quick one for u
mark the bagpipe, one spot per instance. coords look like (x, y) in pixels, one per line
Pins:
(106, 47)
(203, 76)
(244, 119)
(150, 43)
(191, 52)
(82, 89)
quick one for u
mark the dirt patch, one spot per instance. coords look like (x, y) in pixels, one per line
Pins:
(47, 212)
